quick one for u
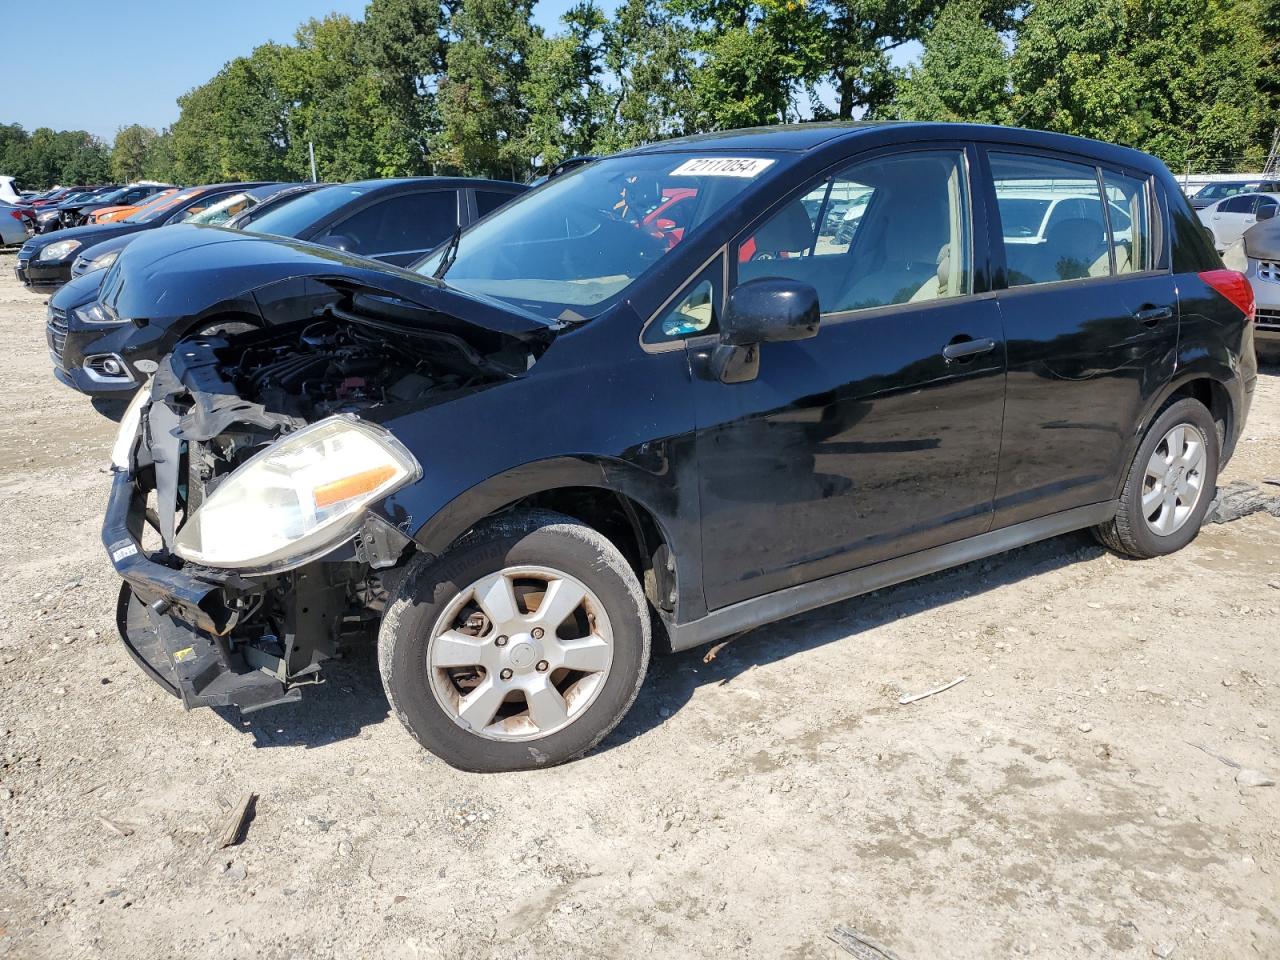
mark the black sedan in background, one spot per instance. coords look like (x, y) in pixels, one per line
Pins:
(45, 261)
(78, 215)
(208, 273)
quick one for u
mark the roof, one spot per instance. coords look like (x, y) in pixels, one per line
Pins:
(804, 137)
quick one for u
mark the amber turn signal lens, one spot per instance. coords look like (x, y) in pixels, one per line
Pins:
(327, 494)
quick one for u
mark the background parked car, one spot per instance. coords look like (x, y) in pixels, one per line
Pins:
(1211, 193)
(229, 208)
(131, 195)
(123, 211)
(1257, 256)
(45, 261)
(67, 209)
(9, 192)
(12, 225)
(1228, 219)
(213, 272)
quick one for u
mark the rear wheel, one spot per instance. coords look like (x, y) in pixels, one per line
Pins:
(523, 646)
(1169, 486)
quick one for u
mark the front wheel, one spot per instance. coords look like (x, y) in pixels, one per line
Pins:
(1169, 486)
(523, 646)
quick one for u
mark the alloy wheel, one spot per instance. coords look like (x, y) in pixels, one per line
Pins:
(520, 654)
(1174, 479)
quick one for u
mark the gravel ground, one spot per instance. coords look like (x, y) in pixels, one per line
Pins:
(1056, 804)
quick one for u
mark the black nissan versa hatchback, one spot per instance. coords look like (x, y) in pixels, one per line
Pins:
(657, 395)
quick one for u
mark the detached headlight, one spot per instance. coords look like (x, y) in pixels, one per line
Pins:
(122, 449)
(303, 495)
(56, 251)
(93, 313)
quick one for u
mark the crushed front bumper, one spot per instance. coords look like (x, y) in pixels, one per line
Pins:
(174, 622)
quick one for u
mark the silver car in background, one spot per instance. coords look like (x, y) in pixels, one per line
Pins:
(12, 230)
(1257, 255)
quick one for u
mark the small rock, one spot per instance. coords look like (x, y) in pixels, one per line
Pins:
(6, 793)
(1255, 778)
(1164, 950)
(344, 848)
(1162, 812)
(235, 872)
(1085, 727)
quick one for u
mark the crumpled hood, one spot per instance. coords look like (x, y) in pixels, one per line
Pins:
(186, 270)
(1262, 242)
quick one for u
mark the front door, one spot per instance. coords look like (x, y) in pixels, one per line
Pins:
(1092, 331)
(880, 436)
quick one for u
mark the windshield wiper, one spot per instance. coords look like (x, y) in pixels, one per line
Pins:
(450, 254)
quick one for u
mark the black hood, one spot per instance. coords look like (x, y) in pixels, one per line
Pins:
(187, 271)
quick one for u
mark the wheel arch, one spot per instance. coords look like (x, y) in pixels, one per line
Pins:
(1202, 382)
(625, 504)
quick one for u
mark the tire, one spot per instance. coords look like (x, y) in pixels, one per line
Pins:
(435, 596)
(1130, 532)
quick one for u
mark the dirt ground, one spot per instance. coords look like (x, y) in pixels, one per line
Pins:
(1061, 802)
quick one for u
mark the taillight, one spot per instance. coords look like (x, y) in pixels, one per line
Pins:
(1235, 287)
(16, 214)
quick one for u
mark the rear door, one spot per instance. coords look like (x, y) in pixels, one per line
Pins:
(880, 436)
(1090, 317)
(1231, 218)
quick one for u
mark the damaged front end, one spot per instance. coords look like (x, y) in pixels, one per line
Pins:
(239, 515)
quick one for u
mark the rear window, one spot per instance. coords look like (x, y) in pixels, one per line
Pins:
(298, 215)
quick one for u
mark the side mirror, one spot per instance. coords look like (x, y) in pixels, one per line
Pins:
(1267, 212)
(770, 309)
(761, 311)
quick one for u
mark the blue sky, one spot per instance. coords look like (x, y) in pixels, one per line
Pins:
(85, 78)
(82, 78)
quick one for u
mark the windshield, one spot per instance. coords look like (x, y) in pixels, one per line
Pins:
(578, 242)
(294, 217)
(224, 209)
(111, 197)
(153, 211)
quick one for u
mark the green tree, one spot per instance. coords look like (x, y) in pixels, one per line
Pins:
(647, 58)
(963, 73)
(563, 93)
(129, 152)
(482, 111)
(400, 42)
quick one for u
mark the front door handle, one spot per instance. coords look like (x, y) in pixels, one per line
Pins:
(959, 349)
(1150, 316)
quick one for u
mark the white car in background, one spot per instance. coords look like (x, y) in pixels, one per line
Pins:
(1228, 219)
(1029, 218)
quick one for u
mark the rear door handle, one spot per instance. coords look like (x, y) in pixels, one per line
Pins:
(1150, 316)
(959, 349)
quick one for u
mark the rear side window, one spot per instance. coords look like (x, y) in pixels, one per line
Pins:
(1241, 203)
(408, 223)
(1070, 239)
(894, 229)
(488, 201)
(1129, 211)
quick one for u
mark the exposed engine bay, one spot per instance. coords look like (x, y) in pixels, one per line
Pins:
(215, 403)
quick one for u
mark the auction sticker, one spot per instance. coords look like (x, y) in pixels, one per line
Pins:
(745, 167)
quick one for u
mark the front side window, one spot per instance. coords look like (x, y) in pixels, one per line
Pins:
(402, 224)
(693, 312)
(295, 217)
(1070, 242)
(1241, 203)
(891, 230)
(1129, 211)
(575, 245)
